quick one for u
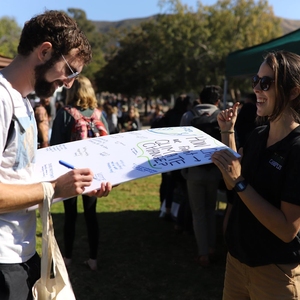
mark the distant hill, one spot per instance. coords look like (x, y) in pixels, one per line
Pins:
(289, 25)
(105, 26)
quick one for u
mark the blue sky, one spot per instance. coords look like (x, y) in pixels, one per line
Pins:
(116, 10)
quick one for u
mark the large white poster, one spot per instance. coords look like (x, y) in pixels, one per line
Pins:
(127, 156)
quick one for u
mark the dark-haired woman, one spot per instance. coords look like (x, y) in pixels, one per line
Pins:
(263, 221)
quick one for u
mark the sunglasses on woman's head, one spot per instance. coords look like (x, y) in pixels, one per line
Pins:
(264, 82)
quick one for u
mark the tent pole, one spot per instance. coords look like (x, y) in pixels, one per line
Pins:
(225, 93)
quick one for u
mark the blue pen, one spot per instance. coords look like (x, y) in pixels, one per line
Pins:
(63, 163)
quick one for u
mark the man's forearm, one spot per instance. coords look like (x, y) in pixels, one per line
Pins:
(16, 196)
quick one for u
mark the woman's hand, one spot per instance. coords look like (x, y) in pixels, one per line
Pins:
(227, 117)
(229, 165)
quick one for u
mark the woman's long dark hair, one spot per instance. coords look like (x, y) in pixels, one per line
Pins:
(286, 67)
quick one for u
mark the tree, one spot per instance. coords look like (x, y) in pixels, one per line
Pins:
(236, 25)
(183, 50)
(155, 58)
(9, 37)
(96, 39)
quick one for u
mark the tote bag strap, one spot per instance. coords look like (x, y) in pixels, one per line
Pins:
(54, 275)
(47, 237)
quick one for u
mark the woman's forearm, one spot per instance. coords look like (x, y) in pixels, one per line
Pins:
(228, 138)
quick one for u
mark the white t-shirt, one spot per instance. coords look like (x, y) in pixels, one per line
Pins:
(17, 229)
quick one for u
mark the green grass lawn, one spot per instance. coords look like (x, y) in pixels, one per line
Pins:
(140, 257)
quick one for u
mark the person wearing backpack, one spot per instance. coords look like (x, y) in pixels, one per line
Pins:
(79, 119)
(203, 181)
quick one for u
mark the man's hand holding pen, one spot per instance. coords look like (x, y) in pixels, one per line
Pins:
(78, 180)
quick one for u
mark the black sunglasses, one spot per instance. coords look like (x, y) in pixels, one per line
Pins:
(73, 74)
(264, 82)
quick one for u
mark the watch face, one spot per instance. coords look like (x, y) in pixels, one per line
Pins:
(240, 186)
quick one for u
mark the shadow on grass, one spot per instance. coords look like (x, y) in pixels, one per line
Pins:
(140, 258)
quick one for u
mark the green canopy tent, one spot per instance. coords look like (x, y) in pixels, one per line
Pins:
(246, 62)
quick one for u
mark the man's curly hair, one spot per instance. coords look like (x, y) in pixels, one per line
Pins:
(60, 30)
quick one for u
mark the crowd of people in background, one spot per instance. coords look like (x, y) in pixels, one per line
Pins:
(119, 114)
(193, 190)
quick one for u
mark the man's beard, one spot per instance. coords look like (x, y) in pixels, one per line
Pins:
(42, 87)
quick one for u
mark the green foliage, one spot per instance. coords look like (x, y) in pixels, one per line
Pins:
(179, 51)
(96, 39)
(182, 50)
(155, 58)
(9, 37)
(236, 25)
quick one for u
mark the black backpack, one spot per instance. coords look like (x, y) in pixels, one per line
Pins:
(207, 123)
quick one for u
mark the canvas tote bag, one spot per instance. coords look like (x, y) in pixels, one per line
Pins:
(54, 283)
